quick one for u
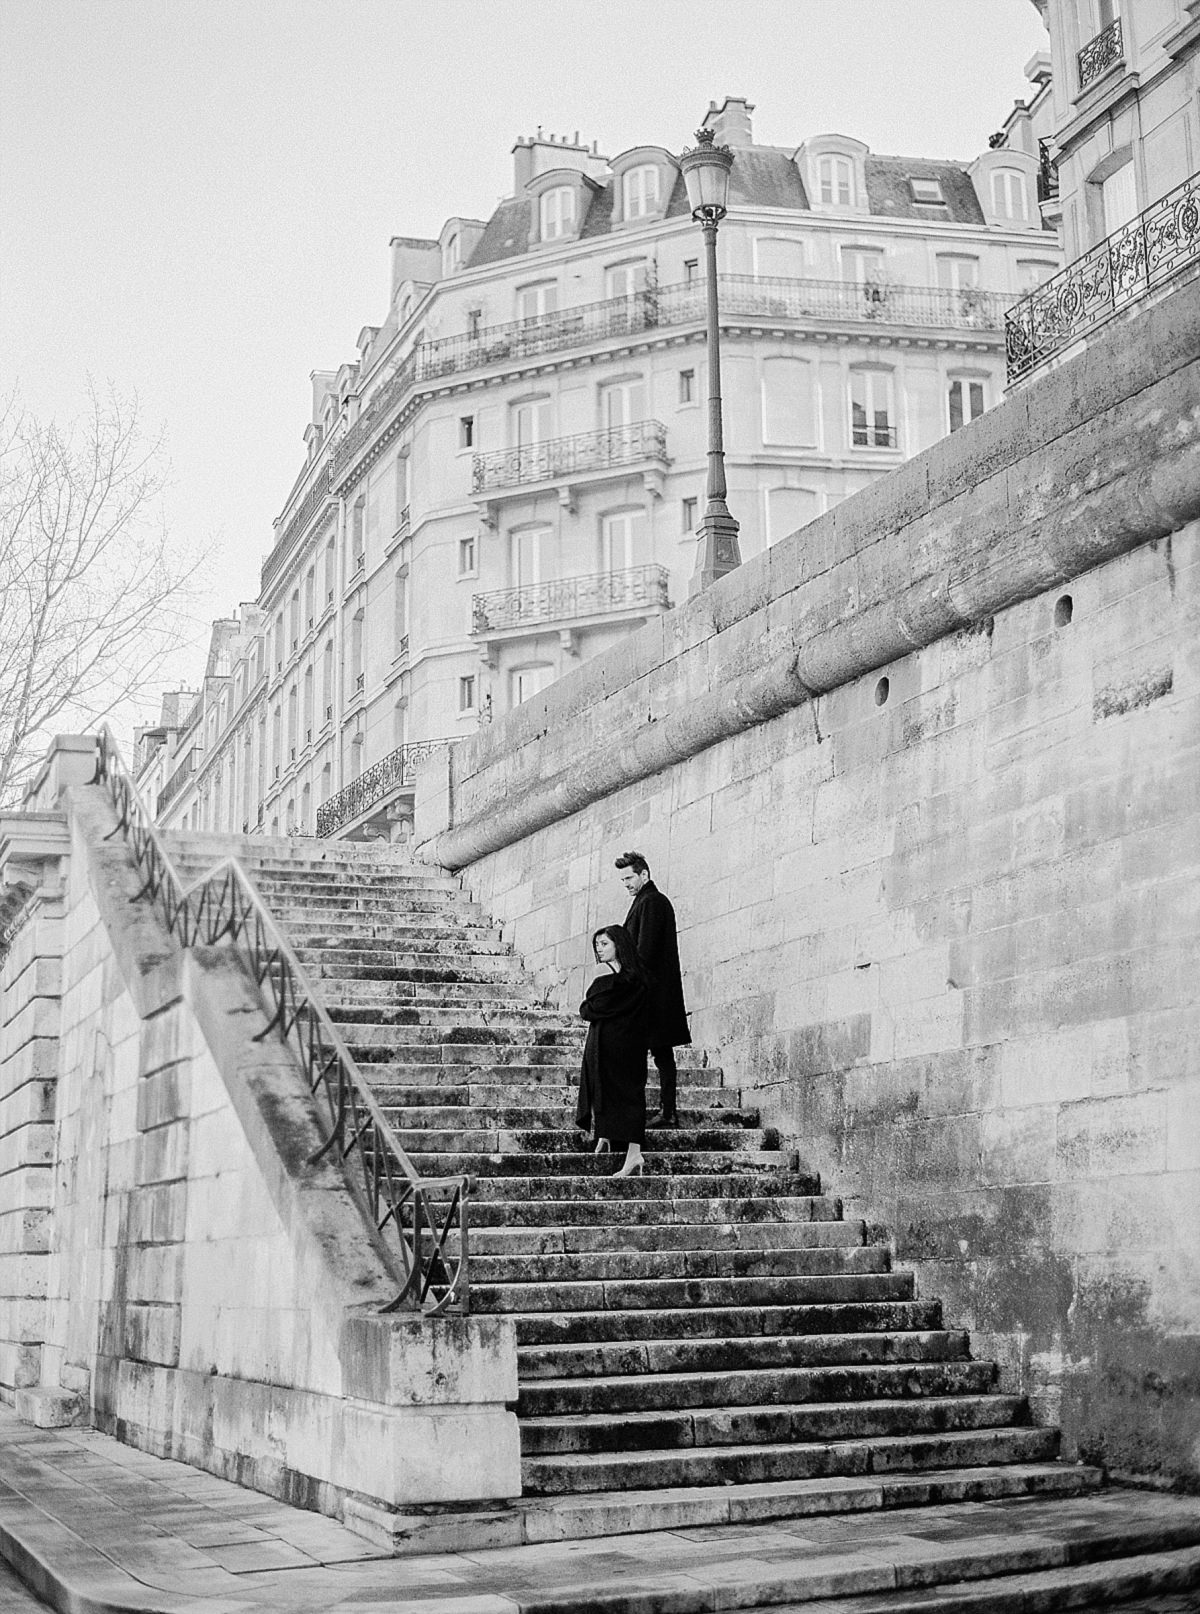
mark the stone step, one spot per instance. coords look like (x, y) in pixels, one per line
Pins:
(726, 1323)
(616, 1212)
(724, 1177)
(754, 1353)
(435, 1112)
(489, 969)
(662, 1294)
(626, 1511)
(769, 1463)
(373, 1022)
(543, 1078)
(478, 1135)
(411, 931)
(550, 1398)
(610, 1266)
(814, 1424)
(620, 1241)
(293, 903)
(441, 947)
(437, 994)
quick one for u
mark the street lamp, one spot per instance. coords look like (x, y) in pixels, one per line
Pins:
(706, 175)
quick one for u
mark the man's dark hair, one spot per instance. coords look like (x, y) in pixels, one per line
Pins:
(634, 861)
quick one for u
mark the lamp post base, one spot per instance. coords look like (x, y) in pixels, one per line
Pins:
(717, 550)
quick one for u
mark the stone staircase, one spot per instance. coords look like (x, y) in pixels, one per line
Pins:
(713, 1343)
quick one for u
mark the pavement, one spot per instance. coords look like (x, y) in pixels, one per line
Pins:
(96, 1527)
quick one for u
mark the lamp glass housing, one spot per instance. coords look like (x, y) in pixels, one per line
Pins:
(706, 175)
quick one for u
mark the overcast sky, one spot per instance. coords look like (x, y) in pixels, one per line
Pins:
(196, 196)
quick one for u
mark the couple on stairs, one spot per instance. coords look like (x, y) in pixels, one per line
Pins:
(634, 1005)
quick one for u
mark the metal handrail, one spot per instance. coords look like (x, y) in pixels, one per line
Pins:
(1100, 53)
(223, 905)
(372, 786)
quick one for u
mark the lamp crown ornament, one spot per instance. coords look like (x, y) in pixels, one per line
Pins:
(705, 169)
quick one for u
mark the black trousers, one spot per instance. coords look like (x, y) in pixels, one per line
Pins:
(664, 1061)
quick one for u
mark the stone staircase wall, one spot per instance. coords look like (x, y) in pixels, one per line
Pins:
(209, 1293)
(921, 781)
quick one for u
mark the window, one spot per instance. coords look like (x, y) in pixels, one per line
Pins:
(687, 386)
(639, 191)
(926, 190)
(557, 209)
(309, 698)
(527, 681)
(691, 271)
(787, 402)
(1008, 194)
(778, 259)
(451, 255)
(862, 264)
(529, 556)
(467, 566)
(330, 568)
(295, 618)
(625, 279)
(400, 610)
(835, 177)
(310, 596)
(689, 510)
(466, 431)
(358, 518)
(622, 403)
(1118, 198)
(965, 402)
(1032, 271)
(956, 271)
(279, 641)
(327, 679)
(293, 721)
(789, 509)
(622, 540)
(536, 300)
(474, 321)
(467, 699)
(871, 409)
(529, 423)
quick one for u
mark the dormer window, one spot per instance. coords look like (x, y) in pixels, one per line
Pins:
(639, 191)
(451, 255)
(557, 212)
(836, 179)
(1008, 194)
(926, 190)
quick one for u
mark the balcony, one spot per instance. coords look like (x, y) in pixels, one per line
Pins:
(573, 600)
(179, 778)
(566, 459)
(1100, 53)
(377, 786)
(966, 308)
(315, 499)
(1139, 257)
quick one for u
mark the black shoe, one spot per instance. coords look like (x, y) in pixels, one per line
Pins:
(659, 1119)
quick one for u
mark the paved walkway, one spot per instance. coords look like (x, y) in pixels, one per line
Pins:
(97, 1527)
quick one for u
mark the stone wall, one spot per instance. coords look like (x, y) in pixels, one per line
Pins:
(922, 782)
(210, 1292)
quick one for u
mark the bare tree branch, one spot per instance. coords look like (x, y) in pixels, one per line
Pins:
(93, 593)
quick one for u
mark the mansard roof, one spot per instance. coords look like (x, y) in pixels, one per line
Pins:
(889, 194)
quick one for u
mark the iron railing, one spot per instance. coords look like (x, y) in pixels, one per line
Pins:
(1100, 53)
(1113, 275)
(179, 778)
(421, 1222)
(682, 303)
(566, 599)
(569, 456)
(313, 500)
(375, 784)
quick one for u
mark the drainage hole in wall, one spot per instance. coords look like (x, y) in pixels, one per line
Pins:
(882, 690)
(1063, 609)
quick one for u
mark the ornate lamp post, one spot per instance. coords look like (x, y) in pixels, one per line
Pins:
(706, 175)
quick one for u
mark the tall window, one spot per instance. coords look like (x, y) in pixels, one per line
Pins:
(1118, 196)
(467, 697)
(639, 191)
(527, 681)
(310, 595)
(789, 509)
(872, 410)
(451, 255)
(295, 617)
(836, 180)
(778, 259)
(956, 271)
(557, 212)
(330, 569)
(787, 402)
(1032, 271)
(400, 608)
(293, 722)
(622, 540)
(862, 264)
(358, 524)
(625, 279)
(536, 300)
(467, 563)
(529, 422)
(622, 403)
(308, 704)
(1008, 194)
(327, 680)
(964, 401)
(279, 641)
(530, 556)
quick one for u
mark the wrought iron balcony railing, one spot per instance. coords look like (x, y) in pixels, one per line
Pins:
(179, 778)
(312, 501)
(682, 303)
(375, 784)
(560, 457)
(1141, 255)
(1100, 53)
(421, 1222)
(570, 599)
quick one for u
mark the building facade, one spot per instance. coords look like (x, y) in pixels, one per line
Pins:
(509, 475)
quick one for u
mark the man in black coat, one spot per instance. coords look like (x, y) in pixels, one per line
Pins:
(651, 926)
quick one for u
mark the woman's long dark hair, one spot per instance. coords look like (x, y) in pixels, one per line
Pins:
(627, 957)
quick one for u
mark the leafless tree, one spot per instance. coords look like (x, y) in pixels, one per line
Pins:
(93, 593)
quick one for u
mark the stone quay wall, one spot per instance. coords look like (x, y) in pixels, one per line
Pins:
(922, 783)
(205, 1289)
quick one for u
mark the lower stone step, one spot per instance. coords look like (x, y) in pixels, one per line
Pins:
(726, 1323)
(707, 1236)
(626, 1511)
(616, 1265)
(754, 1353)
(712, 1294)
(768, 1464)
(631, 1210)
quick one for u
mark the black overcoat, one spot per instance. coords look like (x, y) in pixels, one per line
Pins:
(612, 1080)
(651, 926)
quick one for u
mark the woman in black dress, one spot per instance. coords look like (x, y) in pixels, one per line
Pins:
(612, 1081)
